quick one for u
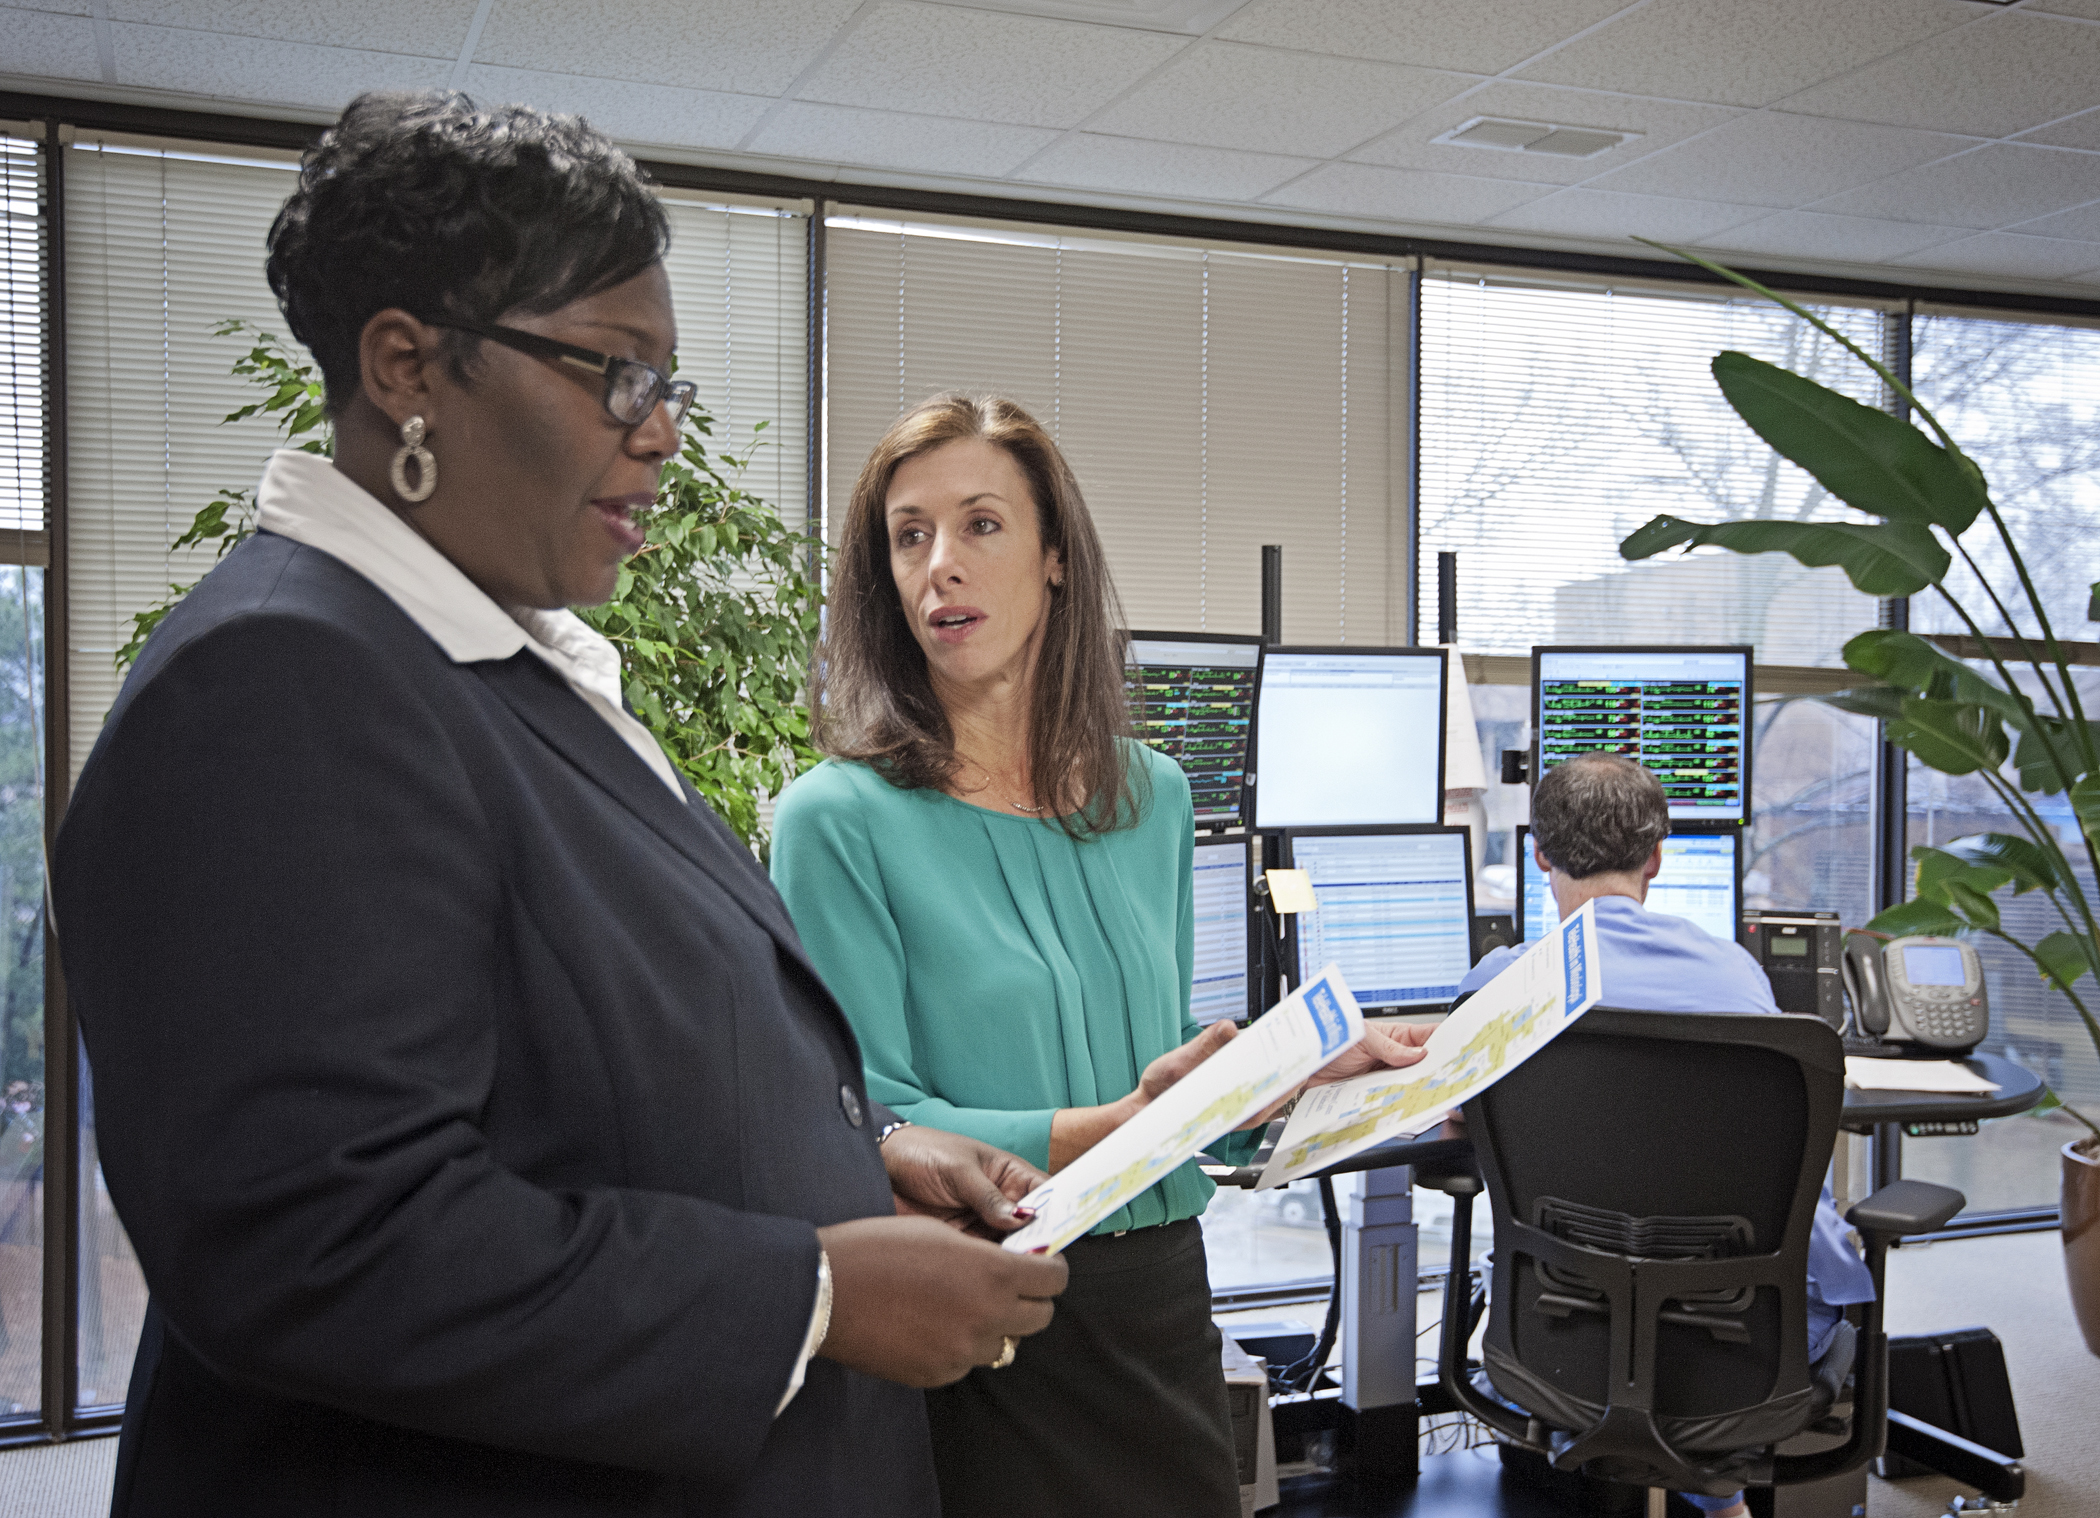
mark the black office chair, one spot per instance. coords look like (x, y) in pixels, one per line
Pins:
(1653, 1178)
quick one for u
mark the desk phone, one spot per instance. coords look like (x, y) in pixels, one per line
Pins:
(1919, 990)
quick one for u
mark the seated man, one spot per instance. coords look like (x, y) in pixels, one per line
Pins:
(1597, 826)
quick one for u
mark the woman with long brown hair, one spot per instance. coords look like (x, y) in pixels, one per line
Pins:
(996, 881)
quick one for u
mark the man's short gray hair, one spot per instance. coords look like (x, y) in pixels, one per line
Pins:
(1598, 814)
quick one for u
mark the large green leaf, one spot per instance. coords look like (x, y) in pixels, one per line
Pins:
(1882, 701)
(2064, 957)
(2028, 865)
(1886, 559)
(1868, 459)
(2051, 756)
(1938, 867)
(1923, 668)
(1916, 916)
(2085, 801)
(1952, 737)
(1975, 907)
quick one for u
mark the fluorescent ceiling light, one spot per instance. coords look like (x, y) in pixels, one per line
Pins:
(1533, 137)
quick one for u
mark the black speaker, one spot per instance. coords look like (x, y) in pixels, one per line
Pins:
(1492, 931)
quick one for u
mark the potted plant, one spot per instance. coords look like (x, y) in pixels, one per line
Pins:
(2020, 729)
(715, 618)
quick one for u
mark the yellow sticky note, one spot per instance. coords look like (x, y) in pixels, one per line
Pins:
(1292, 891)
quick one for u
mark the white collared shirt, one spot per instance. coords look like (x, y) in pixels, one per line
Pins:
(304, 497)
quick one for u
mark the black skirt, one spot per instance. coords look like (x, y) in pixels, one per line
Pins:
(1117, 1407)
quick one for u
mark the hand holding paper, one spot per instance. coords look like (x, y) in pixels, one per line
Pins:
(1508, 1020)
(1293, 1039)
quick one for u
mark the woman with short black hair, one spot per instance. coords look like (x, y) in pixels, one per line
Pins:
(487, 1141)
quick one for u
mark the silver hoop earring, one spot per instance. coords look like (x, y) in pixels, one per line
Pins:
(426, 464)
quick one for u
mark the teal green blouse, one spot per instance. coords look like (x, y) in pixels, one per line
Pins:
(993, 968)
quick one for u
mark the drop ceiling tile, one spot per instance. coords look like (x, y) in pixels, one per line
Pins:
(2090, 9)
(2077, 132)
(1171, 169)
(424, 28)
(1605, 214)
(626, 111)
(943, 61)
(745, 47)
(260, 70)
(1771, 159)
(1412, 145)
(2082, 224)
(40, 46)
(2005, 74)
(1230, 95)
(1743, 52)
(2011, 255)
(1408, 195)
(888, 139)
(1472, 36)
(1994, 186)
(1851, 239)
(46, 7)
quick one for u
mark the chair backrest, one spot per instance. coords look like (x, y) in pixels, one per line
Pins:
(1653, 1178)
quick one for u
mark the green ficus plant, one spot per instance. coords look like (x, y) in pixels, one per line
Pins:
(2021, 734)
(715, 618)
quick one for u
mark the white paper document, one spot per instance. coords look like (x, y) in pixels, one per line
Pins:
(1500, 1026)
(1286, 1044)
(1936, 1075)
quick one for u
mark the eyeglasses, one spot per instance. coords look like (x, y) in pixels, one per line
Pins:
(632, 388)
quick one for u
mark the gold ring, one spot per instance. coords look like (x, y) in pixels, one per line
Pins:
(1006, 1356)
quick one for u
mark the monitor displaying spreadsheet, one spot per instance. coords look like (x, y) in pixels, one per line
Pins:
(1701, 880)
(1395, 912)
(1349, 737)
(1680, 712)
(1221, 986)
(1192, 698)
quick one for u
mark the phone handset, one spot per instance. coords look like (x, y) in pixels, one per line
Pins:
(1866, 984)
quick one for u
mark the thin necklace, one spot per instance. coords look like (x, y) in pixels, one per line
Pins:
(1020, 808)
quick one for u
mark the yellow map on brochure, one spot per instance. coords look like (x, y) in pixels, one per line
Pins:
(1503, 1024)
(1255, 1070)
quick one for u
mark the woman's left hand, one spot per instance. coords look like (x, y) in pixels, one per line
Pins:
(959, 1181)
(1379, 1048)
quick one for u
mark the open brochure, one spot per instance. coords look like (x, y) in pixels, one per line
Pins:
(1286, 1044)
(1500, 1026)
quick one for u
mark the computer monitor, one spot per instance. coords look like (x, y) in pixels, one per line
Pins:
(1701, 880)
(1349, 737)
(1396, 912)
(1192, 698)
(1224, 932)
(1681, 712)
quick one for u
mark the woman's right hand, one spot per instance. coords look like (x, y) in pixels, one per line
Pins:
(1075, 1130)
(917, 1302)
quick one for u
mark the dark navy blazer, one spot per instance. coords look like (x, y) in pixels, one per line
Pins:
(468, 1099)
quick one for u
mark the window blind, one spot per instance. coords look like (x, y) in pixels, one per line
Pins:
(1558, 416)
(2022, 399)
(159, 249)
(24, 477)
(162, 245)
(739, 276)
(1209, 400)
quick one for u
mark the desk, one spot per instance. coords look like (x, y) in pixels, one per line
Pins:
(1884, 1113)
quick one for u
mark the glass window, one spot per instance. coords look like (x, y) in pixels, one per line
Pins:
(1556, 418)
(22, 1132)
(2023, 399)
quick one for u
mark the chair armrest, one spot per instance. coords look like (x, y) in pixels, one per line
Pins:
(1906, 1207)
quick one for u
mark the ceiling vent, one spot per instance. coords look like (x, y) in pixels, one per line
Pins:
(1190, 16)
(1534, 137)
